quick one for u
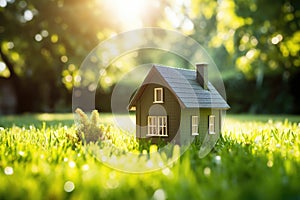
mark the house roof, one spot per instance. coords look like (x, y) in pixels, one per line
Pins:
(183, 84)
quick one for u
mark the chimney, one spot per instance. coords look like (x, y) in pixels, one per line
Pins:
(202, 74)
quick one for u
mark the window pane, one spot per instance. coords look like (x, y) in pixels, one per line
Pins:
(152, 125)
(211, 124)
(159, 125)
(162, 125)
(158, 95)
(195, 123)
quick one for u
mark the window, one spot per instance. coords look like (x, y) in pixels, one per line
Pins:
(152, 125)
(195, 122)
(162, 125)
(158, 95)
(211, 124)
(157, 126)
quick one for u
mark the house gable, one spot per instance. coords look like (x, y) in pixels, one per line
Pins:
(153, 77)
(146, 107)
(185, 88)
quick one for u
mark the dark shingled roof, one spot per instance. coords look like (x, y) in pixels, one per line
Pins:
(183, 84)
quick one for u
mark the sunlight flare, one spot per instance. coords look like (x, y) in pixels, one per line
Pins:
(129, 12)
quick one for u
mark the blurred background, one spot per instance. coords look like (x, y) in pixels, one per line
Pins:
(254, 43)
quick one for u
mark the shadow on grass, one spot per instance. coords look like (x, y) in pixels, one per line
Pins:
(37, 120)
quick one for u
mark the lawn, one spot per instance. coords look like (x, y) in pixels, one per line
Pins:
(257, 157)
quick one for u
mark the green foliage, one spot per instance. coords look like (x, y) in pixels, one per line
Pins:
(145, 144)
(255, 46)
(56, 37)
(256, 158)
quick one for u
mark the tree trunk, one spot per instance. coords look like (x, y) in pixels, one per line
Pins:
(13, 78)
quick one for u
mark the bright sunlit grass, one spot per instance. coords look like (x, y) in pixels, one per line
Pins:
(254, 159)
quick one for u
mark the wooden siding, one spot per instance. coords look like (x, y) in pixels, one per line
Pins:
(186, 136)
(169, 107)
(186, 125)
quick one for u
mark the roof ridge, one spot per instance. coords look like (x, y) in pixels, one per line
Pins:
(177, 68)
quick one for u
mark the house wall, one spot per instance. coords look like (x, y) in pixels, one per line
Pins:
(186, 125)
(186, 136)
(146, 107)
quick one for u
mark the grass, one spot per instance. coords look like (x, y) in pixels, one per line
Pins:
(257, 157)
(64, 119)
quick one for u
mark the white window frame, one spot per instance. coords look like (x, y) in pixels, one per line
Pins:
(152, 126)
(162, 125)
(211, 124)
(158, 98)
(157, 126)
(195, 125)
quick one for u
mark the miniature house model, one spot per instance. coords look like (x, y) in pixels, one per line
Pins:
(177, 105)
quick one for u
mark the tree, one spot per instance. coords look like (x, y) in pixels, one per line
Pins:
(255, 45)
(43, 43)
(267, 50)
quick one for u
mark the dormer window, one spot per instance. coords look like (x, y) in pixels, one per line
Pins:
(158, 95)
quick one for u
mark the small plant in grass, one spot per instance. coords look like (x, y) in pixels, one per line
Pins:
(89, 129)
